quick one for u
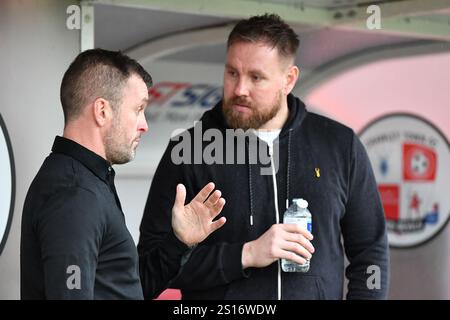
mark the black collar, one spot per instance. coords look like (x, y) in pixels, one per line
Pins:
(98, 165)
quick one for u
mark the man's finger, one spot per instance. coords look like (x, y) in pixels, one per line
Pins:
(204, 193)
(217, 224)
(300, 239)
(297, 229)
(289, 255)
(180, 197)
(217, 208)
(296, 248)
(213, 198)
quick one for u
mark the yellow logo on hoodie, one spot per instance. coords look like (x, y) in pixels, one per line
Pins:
(317, 172)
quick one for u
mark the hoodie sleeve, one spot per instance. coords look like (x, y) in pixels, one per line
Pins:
(160, 251)
(364, 231)
(164, 260)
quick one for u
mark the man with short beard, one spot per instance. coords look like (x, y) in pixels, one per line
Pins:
(318, 159)
(74, 241)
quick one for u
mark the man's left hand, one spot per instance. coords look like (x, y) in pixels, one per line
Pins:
(193, 222)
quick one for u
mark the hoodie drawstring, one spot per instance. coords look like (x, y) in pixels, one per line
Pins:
(275, 195)
(250, 188)
(288, 176)
(250, 191)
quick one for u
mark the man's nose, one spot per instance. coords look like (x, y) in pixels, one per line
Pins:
(241, 88)
(143, 126)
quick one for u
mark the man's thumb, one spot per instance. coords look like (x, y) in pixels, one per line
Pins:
(181, 195)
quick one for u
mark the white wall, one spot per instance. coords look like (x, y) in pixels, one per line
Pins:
(36, 49)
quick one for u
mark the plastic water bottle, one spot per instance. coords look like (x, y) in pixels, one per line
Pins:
(297, 213)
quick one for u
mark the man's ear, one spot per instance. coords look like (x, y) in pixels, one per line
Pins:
(102, 111)
(291, 79)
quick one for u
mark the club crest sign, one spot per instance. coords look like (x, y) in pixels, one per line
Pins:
(7, 184)
(411, 161)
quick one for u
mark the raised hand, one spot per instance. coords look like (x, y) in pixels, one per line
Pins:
(193, 222)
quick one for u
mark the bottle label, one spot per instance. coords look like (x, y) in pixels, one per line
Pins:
(305, 222)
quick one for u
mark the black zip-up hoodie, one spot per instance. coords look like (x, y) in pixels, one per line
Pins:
(319, 160)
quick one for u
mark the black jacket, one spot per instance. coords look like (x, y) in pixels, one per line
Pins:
(73, 227)
(321, 161)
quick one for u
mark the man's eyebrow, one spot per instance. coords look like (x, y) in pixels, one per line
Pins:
(144, 103)
(257, 71)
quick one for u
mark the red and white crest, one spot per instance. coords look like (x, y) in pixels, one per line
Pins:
(411, 162)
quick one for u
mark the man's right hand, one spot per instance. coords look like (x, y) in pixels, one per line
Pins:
(281, 241)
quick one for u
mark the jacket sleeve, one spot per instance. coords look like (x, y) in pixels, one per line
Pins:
(69, 236)
(164, 260)
(364, 231)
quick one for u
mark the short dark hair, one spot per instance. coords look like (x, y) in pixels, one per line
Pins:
(267, 28)
(97, 73)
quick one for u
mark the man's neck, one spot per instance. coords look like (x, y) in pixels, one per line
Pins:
(86, 137)
(277, 122)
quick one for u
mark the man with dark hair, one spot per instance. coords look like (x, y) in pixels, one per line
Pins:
(74, 241)
(317, 158)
